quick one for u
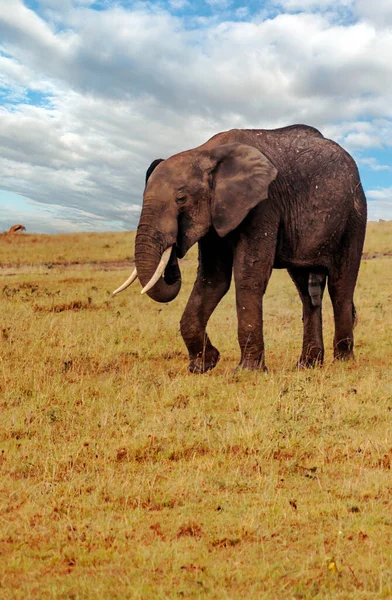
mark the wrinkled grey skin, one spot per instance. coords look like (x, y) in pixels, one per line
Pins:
(255, 200)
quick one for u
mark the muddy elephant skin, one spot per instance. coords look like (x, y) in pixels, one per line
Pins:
(255, 200)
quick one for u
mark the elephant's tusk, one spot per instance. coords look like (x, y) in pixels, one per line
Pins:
(160, 269)
(126, 283)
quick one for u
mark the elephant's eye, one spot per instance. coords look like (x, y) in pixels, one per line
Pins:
(181, 199)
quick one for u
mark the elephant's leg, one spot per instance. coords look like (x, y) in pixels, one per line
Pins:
(312, 346)
(344, 315)
(341, 284)
(252, 273)
(212, 282)
(341, 289)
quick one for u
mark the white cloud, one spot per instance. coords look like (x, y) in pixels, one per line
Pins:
(44, 218)
(308, 5)
(380, 205)
(355, 141)
(219, 3)
(379, 12)
(373, 164)
(359, 135)
(124, 86)
(177, 4)
(380, 194)
(25, 29)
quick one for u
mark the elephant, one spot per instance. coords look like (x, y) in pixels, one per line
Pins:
(255, 200)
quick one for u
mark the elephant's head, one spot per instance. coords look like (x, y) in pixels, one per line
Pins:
(184, 197)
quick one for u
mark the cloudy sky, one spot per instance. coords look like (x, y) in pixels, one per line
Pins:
(92, 91)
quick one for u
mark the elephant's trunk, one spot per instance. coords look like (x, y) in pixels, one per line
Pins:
(149, 246)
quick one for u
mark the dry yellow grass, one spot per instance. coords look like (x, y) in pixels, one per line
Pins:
(55, 250)
(123, 476)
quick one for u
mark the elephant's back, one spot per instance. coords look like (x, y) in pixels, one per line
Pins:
(280, 137)
(305, 158)
(299, 148)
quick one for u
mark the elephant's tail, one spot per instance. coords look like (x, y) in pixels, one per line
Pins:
(316, 285)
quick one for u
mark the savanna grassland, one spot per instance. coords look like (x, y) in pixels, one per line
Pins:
(124, 476)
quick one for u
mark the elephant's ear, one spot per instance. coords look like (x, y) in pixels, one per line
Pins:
(241, 176)
(152, 167)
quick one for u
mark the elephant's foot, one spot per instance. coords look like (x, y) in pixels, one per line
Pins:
(311, 360)
(343, 350)
(205, 361)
